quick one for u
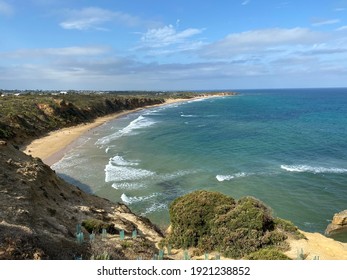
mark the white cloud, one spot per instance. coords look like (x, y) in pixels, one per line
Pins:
(110, 72)
(325, 22)
(342, 28)
(167, 35)
(6, 9)
(95, 18)
(75, 51)
(258, 41)
(245, 2)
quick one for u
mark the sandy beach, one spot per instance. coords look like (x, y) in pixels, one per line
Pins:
(51, 148)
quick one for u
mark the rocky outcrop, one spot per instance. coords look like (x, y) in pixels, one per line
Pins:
(39, 213)
(338, 224)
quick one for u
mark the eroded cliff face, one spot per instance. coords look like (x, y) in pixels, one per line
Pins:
(24, 118)
(39, 213)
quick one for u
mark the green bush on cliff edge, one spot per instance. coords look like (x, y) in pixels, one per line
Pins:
(213, 221)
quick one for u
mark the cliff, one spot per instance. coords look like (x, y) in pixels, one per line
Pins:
(23, 118)
(39, 214)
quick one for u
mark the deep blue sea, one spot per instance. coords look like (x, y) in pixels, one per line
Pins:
(286, 147)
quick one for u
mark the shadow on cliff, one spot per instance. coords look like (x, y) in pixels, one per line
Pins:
(82, 186)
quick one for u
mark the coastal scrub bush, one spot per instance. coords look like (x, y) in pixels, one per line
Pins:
(212, 221)
(191, 217)
(267, 254)
(246, 228)
(289, 227)
(96, 226)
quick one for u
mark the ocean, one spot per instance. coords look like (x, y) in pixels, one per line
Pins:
(285, 147)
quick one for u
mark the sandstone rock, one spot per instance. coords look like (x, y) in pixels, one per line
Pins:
(338, 224)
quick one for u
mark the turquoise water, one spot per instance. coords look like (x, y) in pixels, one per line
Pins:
(286, 147)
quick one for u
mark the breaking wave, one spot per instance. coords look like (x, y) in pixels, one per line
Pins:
(128, 186)
(118, 169)
(140, 122)
(134, 199)
(312, 169)
(222, 178)
(154, 208)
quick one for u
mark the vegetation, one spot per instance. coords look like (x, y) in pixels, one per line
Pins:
(96, 226)
(212, 221)
(26, 117)
(112, 248)
(267, 254)
(289, 227)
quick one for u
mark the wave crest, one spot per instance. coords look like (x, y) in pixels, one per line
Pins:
(134, 199)
(118, 169)
(222, 178)
(312, 169)
(140, 122)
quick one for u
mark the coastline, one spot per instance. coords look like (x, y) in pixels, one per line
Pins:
(52, 148)
(315, 245)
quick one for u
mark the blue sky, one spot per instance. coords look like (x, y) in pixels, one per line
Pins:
(172, 45)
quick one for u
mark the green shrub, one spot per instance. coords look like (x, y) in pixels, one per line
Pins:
(191, 217)
(289, 227)
(267, 254)
(211, 221)
(96, 226)
(104, 256)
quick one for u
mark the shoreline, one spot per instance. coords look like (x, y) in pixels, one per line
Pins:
(52, 148)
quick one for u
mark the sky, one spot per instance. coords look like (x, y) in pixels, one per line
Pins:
(172, 45)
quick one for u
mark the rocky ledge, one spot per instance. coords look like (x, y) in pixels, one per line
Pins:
(338, 224)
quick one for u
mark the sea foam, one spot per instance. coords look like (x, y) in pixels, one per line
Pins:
(222, 178)
(128, 186)
(122, 173)
(154, 208)
(134, 199)
(118, 169)
(119, 160)
(312, 169)
(140, 122)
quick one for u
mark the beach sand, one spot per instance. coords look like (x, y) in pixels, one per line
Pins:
(52, 148)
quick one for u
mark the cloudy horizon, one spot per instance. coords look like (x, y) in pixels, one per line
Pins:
(178, 45)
